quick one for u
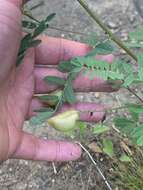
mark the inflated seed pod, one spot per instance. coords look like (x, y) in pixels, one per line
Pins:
(64, 121)
(52, 98)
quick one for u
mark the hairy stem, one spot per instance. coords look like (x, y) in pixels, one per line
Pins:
(37, 6)
(106, 30)
(69, 31)
(97, 167)
(134, 93)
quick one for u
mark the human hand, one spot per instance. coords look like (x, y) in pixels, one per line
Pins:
(19, 84)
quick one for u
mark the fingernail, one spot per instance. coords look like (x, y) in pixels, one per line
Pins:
(70, 152)
(76, 152)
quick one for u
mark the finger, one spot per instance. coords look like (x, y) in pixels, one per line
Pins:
(33, 148)
(81, 84)
(16, 2)
(53, 50)
(89, 112)
(10, 35)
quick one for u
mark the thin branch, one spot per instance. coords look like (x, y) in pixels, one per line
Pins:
(56, 28)
(95, 164)
(134, 93)
(30, 16)
(107, 109)
(37, 6)
(106, 30)
(69, 31)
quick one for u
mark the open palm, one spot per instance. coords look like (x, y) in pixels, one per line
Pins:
(19, 84)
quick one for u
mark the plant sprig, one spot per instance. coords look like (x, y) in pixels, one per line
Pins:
(30, 39)
(106, 30)
(86, 65)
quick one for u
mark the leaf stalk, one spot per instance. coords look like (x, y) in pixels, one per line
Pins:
(106, 30)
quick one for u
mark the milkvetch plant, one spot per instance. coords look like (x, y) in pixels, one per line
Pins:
(119, 74)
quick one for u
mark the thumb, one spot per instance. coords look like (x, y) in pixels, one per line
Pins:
(33, 148)
(10, 34)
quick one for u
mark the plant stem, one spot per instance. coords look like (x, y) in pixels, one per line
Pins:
(68, 31)
(134, 93)
(37, 6)
(56, 28)
(31, 17)
(107, 31)
(97, 167)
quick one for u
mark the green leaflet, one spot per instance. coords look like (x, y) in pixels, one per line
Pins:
(29, 40)
(125, 158)
(82, 127)
(50, 17)
(140, 62)
(134, 44)
(47, 98)
(140, 141)
(19, 59)
(132, 128)
(69, 93)
(128, 80)
(65, 66)
(108, 147)
(24, 46)
(29, 24)
(106, 75)
(100, 128)
(101, 48)
(137, 132)
(137, 135)
(40, 29)
(55, 80)
(25, 43)
(135, 108)
(92, 40)
(124, 67)
(41, 118)
(137, 35)
(44, 110)
(43, 25)
(124, 124)
(98, 68)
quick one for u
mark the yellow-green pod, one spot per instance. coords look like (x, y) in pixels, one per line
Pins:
(65, 121)
(57, 93)
(52, 98)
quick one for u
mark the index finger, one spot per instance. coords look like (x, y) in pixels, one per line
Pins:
(52, 50)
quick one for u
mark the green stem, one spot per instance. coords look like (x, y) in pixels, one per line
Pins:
(56, 28)
(68, 31)
(107, 31)
(31, 17)
(37, 6)
(136, 95)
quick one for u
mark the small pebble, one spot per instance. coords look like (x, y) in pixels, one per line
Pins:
(10, 169)
(97, 94)
(101, 159)
(62, 35)
(112, 25)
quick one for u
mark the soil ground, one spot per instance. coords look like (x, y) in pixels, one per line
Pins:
(121, 17)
